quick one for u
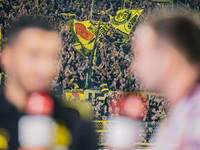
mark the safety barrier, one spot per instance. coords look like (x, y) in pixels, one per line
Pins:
(102, 127)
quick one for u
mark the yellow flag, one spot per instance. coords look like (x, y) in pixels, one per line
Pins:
(84, 34)
(125, 20)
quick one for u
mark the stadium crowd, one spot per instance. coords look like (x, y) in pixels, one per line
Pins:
(156, 108)
(114, 55)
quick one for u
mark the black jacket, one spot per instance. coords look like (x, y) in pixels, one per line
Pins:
(83, 133)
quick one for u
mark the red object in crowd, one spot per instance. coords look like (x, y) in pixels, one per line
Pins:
(39, 103)
(132, 106)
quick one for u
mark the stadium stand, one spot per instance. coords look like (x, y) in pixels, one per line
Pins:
(113, 58)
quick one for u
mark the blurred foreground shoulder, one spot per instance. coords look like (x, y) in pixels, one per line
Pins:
(79, 123)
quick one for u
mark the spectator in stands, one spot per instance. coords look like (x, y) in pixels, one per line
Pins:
(97, 116)
(104, 113)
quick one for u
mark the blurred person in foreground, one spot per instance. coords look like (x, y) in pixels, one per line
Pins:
(30, 61)
(167, 59)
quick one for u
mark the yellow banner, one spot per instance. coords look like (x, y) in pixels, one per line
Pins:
(71, 94)
(87, 94)
(125, 20)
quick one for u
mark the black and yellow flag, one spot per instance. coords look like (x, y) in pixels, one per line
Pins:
(84, 34)
(125, 20)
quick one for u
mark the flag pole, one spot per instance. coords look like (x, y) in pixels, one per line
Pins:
(91, 9)
(88, 75)
(123, 4)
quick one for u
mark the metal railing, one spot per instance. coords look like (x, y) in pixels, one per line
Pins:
(103, 127)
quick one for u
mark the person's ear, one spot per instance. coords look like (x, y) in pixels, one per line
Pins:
(6, 59)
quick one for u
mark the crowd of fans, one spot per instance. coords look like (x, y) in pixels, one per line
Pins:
(192, 4)
(154, 111)
(113, 58)
(114, 54)
(109, 108)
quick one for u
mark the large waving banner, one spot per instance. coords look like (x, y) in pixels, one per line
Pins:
(124, 21)
(84, 34)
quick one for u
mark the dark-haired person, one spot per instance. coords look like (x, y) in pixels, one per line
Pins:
(30, 61)
(167, 59)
